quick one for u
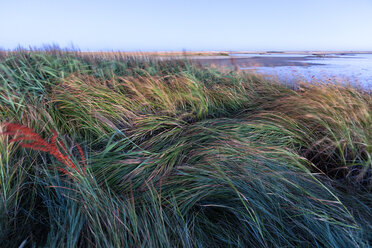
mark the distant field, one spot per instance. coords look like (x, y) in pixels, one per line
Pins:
(201, 53)
(127, 150)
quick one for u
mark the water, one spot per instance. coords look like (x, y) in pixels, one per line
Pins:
(350, 68)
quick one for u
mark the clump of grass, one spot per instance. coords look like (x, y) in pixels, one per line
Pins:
(332, 126)
(130, 102)
(20, 211)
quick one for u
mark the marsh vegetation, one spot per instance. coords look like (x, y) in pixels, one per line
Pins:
(175, 155)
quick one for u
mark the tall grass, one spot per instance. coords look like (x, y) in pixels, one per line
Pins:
(175, 155)
(332, 128)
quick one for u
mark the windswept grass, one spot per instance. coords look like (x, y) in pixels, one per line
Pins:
(332, 126)
(173, 155)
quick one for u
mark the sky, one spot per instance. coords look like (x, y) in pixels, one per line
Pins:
(192, 25)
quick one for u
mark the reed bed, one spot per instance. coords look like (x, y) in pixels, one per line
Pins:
(171, 154)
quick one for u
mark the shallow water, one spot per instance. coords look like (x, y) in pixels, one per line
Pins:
(355, 69)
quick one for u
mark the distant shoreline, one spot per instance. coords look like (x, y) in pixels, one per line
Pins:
(200, 53)
(244, 62)
(227, 53)
(229, 59)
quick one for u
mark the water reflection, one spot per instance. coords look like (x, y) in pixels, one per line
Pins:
(355, 69)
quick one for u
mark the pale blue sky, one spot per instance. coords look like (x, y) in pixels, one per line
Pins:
(144, 25)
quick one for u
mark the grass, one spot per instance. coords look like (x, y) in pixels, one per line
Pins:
(174, 155)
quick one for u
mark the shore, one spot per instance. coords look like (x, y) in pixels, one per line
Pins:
(243, 62)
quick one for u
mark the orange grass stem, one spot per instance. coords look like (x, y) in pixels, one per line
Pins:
(29, 139)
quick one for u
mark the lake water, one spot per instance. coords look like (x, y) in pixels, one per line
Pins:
(350, 68)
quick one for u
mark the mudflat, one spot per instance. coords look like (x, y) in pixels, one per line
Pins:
(242, 62)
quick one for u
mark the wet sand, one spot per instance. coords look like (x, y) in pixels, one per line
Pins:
(243, 62)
